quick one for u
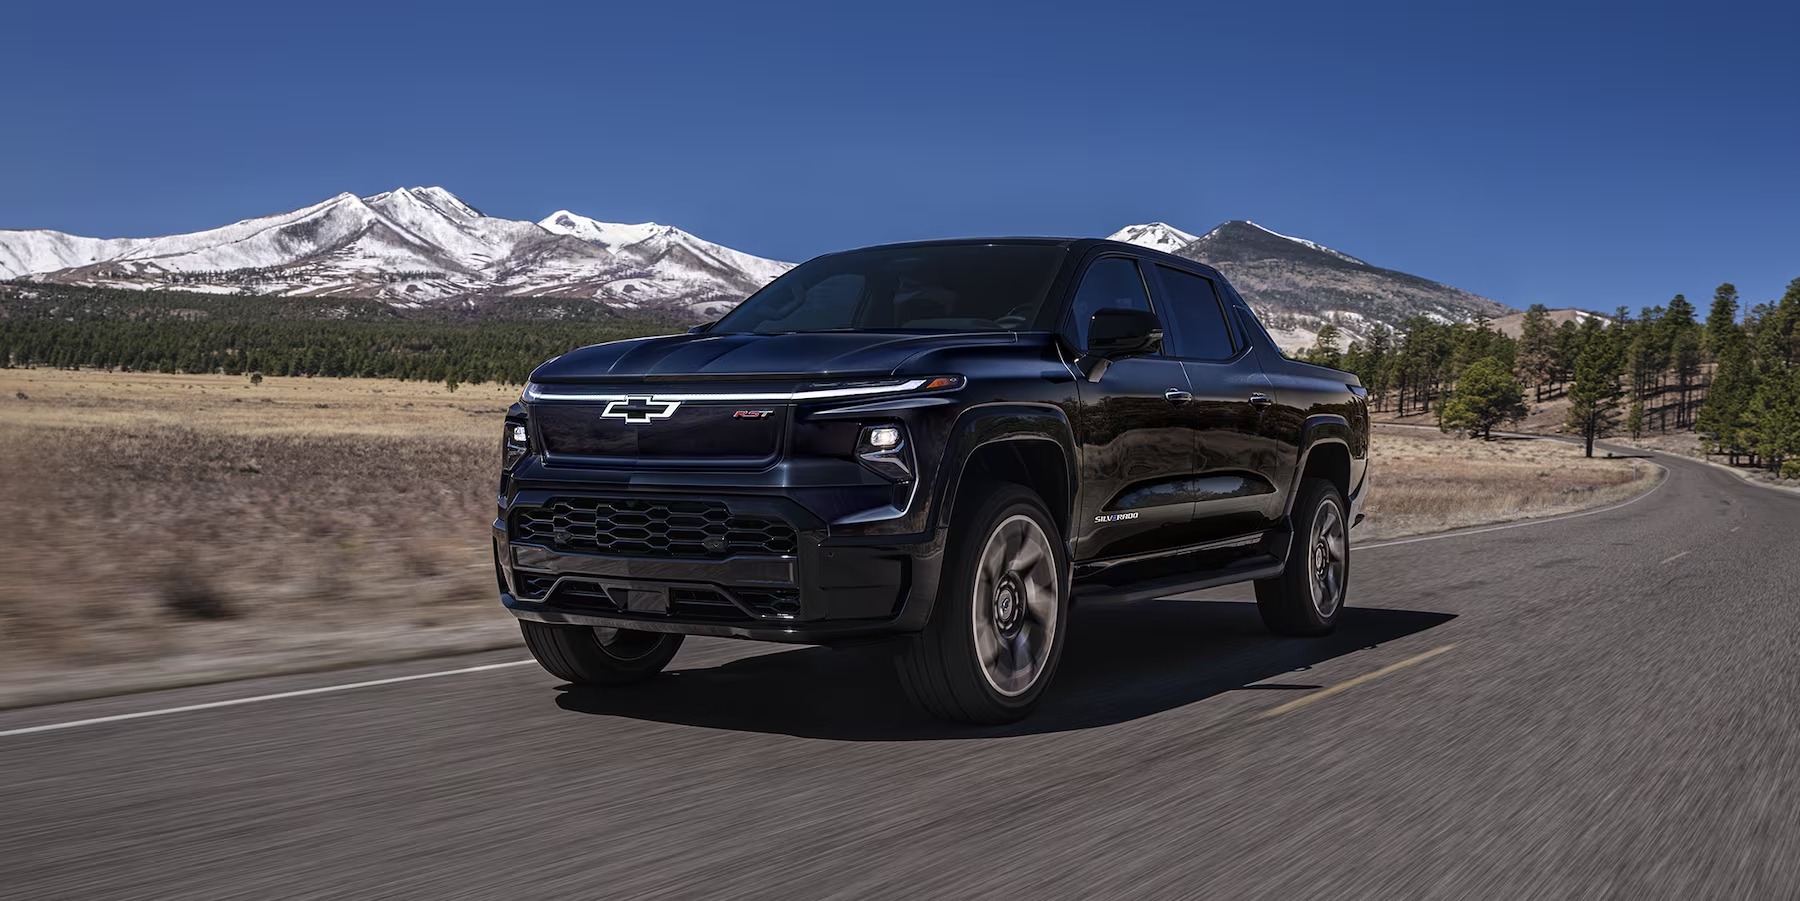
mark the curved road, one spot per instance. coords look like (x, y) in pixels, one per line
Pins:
(1603, 705)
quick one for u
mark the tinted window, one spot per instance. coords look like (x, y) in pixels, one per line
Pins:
(935, 287)
(1201, 330)
(1109, 282)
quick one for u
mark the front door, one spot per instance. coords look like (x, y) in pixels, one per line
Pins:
(1136, 443)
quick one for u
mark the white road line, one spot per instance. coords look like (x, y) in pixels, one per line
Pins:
(95, 721)
(1675, 558)
(1518, 525)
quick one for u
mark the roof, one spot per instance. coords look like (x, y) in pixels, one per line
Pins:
(1078, 245)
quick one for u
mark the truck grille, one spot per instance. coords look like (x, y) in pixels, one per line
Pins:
(633, 527)
(696, 434)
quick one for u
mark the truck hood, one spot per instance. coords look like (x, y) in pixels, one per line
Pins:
(808, 354)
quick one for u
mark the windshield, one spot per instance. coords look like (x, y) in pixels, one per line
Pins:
(948, 287)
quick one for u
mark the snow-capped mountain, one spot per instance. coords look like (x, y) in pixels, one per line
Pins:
(1297, 286)
(665, 247)
(408, 246)
(1154, 235)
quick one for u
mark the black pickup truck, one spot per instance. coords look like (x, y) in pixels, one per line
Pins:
(937, 447)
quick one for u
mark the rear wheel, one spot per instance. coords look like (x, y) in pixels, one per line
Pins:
(1308, 596)
(594, 655)
(996, 632)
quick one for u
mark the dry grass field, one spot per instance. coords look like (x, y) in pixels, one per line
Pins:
(166, 529)
(163, 529)
(1426, 481)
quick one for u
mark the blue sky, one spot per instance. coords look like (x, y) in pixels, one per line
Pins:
(1560, 153)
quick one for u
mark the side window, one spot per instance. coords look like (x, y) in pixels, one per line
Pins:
(1201, 330)
(1109, 282)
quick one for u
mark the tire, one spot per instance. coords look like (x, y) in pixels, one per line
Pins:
(996, 632)
(1308, 597)
(591, 655)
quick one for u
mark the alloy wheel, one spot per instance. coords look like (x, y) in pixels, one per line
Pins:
(1328, 558)
(1015, 602)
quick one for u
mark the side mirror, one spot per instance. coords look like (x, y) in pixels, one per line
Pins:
(702, 327)
(1115, 333)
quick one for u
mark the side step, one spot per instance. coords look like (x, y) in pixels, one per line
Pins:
(1267, 563)
(1258, 567)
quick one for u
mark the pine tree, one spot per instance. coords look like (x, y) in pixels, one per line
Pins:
(1324, 351)
(1537, 349)
(1594, 396)
(1486, 395)
(1774, 417)
(1721, 321)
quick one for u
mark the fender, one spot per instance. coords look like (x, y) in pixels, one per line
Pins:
(986, 424)
(1320, 428)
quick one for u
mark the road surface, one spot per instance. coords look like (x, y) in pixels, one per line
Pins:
(1603, 705)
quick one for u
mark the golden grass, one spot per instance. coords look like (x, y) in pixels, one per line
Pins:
(1425, 481)
(165, 529)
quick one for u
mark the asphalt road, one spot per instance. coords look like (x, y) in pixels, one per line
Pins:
(1601, 706)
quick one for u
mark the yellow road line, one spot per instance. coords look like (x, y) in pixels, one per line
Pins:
(1348, 684)
(1675, 558)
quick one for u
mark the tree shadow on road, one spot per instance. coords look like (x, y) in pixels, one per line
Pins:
(1122, 662)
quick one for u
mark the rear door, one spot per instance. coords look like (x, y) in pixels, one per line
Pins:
(1137, 449)
(1234, 488)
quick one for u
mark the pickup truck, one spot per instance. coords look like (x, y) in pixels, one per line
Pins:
(935, 447)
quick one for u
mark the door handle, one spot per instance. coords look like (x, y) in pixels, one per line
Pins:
(1177, 396)
(1260, 400)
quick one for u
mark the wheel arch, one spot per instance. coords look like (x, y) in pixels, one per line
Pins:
(1024, 444)
(1325, 453)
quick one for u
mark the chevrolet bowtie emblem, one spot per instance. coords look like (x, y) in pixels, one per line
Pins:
(639, 409)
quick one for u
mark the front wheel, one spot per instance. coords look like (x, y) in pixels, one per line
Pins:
(594, 655)
(1308, 596)
(996, 632)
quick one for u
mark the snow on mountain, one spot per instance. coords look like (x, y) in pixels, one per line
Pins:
(40, 250)
(410, 246)
(666, 248)
(1297, 286)
(1154, 235)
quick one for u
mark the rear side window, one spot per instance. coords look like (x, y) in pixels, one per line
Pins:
(1202, 332)
(1109, 282)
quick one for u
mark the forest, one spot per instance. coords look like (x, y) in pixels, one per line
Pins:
(142, 331)
(1732, 377)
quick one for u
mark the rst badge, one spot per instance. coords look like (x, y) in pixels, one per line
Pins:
(753, 414)
(639, 409)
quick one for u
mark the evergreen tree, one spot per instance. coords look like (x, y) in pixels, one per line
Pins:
(1537, 349)
(1721, 322)
(1594, 397)
(1774, 417)
(1324, 350)
(1486, 395)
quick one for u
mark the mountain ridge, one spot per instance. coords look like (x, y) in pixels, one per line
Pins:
(1297, 286)
(407, 246)
(423, 245)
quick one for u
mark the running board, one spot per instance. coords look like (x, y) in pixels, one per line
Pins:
(1261, 566)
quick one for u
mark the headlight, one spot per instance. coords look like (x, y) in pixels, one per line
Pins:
(862, 387)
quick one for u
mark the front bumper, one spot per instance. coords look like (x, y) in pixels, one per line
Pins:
(827, 589)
